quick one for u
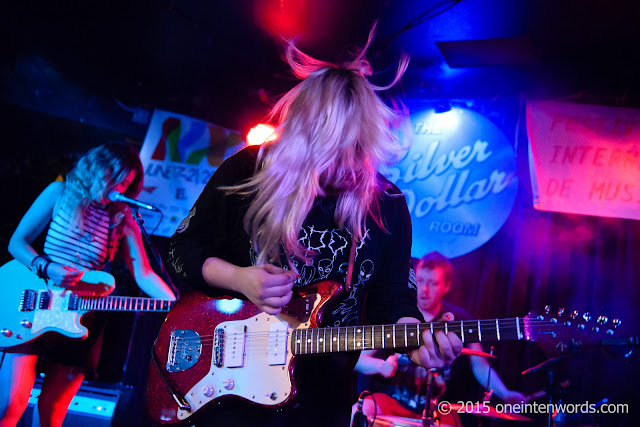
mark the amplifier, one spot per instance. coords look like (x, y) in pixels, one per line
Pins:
(94, 405)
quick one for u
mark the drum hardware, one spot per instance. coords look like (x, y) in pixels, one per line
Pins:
(486, 410)
(554, 390)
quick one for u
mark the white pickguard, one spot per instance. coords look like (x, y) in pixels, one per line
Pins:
(258, 379)
(58, 318)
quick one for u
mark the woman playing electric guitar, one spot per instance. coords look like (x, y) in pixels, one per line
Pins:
(83, 230)
(276, 218)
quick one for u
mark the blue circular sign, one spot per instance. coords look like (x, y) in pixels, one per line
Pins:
(459, 179)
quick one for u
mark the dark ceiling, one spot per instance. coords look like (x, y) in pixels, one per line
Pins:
(109, 63)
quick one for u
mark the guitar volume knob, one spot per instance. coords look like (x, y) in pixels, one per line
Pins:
(228, 384)
(26, 324)
(6, 332)
(207, 391)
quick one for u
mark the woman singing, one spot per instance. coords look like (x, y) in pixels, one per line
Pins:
(84, 230)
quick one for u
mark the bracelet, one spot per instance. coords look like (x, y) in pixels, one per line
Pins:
(39, 266)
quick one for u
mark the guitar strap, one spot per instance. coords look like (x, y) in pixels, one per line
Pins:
(352, 258)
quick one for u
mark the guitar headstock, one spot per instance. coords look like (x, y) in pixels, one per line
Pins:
(559, 331)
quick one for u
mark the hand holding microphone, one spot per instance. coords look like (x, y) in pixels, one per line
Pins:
(114, 196)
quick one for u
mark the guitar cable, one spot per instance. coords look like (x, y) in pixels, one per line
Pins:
(359, 418)
(182, 403)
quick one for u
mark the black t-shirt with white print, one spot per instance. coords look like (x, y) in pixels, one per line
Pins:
(214, 228)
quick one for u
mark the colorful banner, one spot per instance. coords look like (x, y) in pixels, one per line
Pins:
(179, 155)
(459, 179)
(584, 159)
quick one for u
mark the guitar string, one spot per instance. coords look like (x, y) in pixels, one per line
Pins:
(452, 327)
(265, 337)
(349, 333)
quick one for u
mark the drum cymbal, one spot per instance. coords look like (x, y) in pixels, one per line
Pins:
(469, 352)
(486, 411)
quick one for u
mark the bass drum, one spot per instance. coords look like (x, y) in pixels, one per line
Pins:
(449, 420)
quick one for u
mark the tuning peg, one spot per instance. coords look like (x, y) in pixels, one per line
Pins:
(616, 322)
(560, 311)
(586, 316)
(574, 314)
(602, 320)
(547, 309)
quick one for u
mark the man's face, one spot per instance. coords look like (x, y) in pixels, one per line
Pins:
(431, 288)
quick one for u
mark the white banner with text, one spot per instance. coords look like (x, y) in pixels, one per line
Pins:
(584, 159)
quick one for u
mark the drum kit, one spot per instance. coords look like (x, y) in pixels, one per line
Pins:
(449, 418)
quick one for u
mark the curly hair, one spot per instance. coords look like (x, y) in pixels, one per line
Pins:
(97, 173)
(333, 133)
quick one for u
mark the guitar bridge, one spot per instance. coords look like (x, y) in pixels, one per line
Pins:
(185, 347)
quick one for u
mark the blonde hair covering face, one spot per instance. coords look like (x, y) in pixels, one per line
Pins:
(333, 132)
(97, 173)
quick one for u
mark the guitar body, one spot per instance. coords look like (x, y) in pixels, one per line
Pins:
(213, 349)
(28, 309)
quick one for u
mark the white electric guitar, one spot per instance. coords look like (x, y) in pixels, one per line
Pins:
(29, 309)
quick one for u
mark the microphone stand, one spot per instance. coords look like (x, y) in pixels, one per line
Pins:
(159, 267)
(156, 257)
(427, 412)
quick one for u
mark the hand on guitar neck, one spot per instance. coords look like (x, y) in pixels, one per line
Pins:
(438, 349)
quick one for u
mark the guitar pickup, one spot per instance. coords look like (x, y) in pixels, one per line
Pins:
(277, 347)
(45, 301)
(234, 345)
(28, 300)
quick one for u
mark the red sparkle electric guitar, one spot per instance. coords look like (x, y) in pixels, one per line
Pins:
(212, 349)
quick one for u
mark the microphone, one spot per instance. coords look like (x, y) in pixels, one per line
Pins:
(114, 196)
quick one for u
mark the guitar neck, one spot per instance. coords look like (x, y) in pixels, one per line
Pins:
(401, 336)
(117, 303)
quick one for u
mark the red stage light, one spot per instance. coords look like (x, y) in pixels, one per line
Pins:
(260, 134)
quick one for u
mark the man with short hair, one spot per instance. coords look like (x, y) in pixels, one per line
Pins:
(401, 386)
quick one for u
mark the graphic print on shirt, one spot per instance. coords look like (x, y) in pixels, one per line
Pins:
(184, 224)
(347, 310)
(177, 265)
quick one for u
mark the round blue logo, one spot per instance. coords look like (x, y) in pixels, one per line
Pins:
(459, 179)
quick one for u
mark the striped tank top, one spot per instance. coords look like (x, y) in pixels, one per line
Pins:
(84, 248)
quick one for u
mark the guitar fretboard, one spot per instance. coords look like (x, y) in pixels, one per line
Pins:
(400, 336)
(117, 303)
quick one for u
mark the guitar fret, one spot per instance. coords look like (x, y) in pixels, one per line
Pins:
(306, 341)
(354, 338)
(324, 340)
(462, 331)
(518, 328)
(405, 336)
(394, 335)
(479, 332)
(373, 337)
(498, 329)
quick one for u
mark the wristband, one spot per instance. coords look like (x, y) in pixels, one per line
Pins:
(39, 266)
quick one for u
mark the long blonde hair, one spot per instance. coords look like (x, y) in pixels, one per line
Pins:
(97, 173)
(333, 132)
